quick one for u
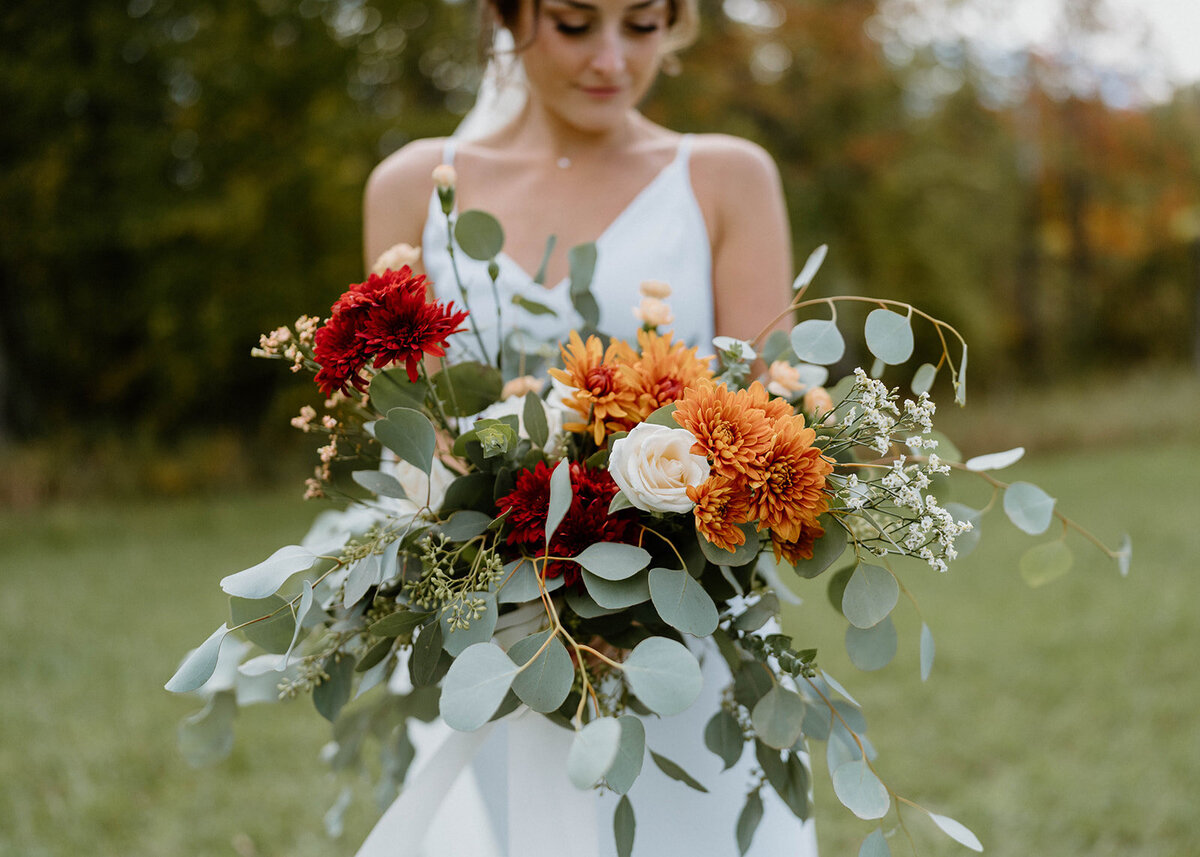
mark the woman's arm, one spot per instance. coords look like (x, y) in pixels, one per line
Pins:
(396, 199)
(738, 187)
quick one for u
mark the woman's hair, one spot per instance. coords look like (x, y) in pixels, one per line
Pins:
(683, 21)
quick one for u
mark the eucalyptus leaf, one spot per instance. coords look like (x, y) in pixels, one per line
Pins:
(334, 692)
(1029, 507)
(872, 648)
(411, 436)
(532, 307)
(302, 610)
(889, 336)
(593, 752)
(423, 666)
(534, 415)
(589, 310)
(631, 755)
(778, 717)
(811, 266)
(581, 262)
(956, 831)
(995, 460)
(960, 381)
(682, 602)
(584, 606)
(545, 683)
(612, 560)
(751, 683)
(379, 483)
(400, 623)
(618, 594)
(1125, 555)
(624, 827)
(272, 635)
(456, 640)
(475, 685)
(748, 821)
(923, 378)
(664, 675)
(677, 773)
(520, 583)
(826, 550)
(723, 735)
(743, 554)
(264, 579)
(818, 341)
(206, 737)
(364, 574)
(392, 389)
(871, 594)
(860, 791)
(1046, 563)
(540, 276)
(465, 524)
(875, 846)
(479, 234)
(467, 388)
(560, 497)
(928, 649)
(198, 666)
(664, 416)
(619, 503)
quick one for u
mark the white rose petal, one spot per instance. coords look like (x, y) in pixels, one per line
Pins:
(654, 466)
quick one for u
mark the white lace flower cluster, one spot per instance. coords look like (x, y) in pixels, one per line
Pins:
(877, 415)
(931, 530)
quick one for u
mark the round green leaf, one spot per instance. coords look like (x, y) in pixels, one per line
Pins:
(1042, 564)
(465, 389)
(739, 556)
(456, 640)
(826, 550)
(682, 602)
(1029, 507)
(331, 695)
(364, 574)
(545, 683)
(723, 735)
(778, 717)
(264, 579)
(889, 336)
(631, 754)
(206, 737)
(818, 341)
(875, 846)
(872, 648)
(664, 675)
(475, 685)
(593, 752)
(198, 666)
(870, 595)
(923, 378)
(534, 416)
(465, 524)
(860, 791)
(617, 594)
(613, 560)
(382, 484)
(581, 262)
(560, 497)
(956, 831)
(273, 635)
(411, 436)
(392, 389)
(479, 235)
(520, 583)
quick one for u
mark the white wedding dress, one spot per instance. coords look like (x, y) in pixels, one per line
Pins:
(512, 797)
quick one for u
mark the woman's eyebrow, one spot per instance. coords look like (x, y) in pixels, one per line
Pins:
(588, 7)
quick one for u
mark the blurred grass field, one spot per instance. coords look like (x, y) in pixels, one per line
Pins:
(1057, 721)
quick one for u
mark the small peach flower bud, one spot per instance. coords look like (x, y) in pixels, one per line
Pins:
(655, 289)
(653, 312)
(444, 176)
(396, 257)
(817, 401)
(522, 385)
(783, 379)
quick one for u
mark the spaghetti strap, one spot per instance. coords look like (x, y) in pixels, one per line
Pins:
(685, 149)
(448, 150)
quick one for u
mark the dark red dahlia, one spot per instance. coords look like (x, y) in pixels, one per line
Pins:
(371, 291)
(587, 520)
(340, 351)
(404, 326)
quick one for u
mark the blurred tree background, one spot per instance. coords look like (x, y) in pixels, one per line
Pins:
(181, 175)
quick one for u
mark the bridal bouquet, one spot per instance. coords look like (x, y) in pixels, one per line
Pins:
(561, 542)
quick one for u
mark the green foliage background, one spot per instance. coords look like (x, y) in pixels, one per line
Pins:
(181, 175)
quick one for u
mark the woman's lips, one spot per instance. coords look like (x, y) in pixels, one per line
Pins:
(601, 92)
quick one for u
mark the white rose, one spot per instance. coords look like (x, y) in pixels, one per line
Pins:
(654, 466)
(396, 257)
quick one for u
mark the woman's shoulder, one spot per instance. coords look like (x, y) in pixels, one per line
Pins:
(406, 172)
(730, 174)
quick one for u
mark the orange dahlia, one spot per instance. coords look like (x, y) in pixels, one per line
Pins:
(602, 395)
(721, 504)
(797, 549)
(661, 374)
(789, 487)
(728, 428)
(774, 408)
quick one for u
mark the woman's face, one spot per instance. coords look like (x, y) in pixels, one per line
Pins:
(590, 61)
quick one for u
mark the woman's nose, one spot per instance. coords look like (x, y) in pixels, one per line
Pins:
(609, 57)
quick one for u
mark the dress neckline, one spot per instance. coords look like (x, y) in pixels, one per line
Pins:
(680, 159)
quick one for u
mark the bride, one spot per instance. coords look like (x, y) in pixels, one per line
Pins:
(562, 150)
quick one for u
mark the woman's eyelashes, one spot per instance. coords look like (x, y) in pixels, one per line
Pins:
(635, 28)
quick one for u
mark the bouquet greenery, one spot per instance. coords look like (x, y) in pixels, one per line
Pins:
(563, 546)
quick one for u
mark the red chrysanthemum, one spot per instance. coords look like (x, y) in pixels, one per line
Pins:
(587, 520)
(340, 351)
(403, 325)
(370, 291)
